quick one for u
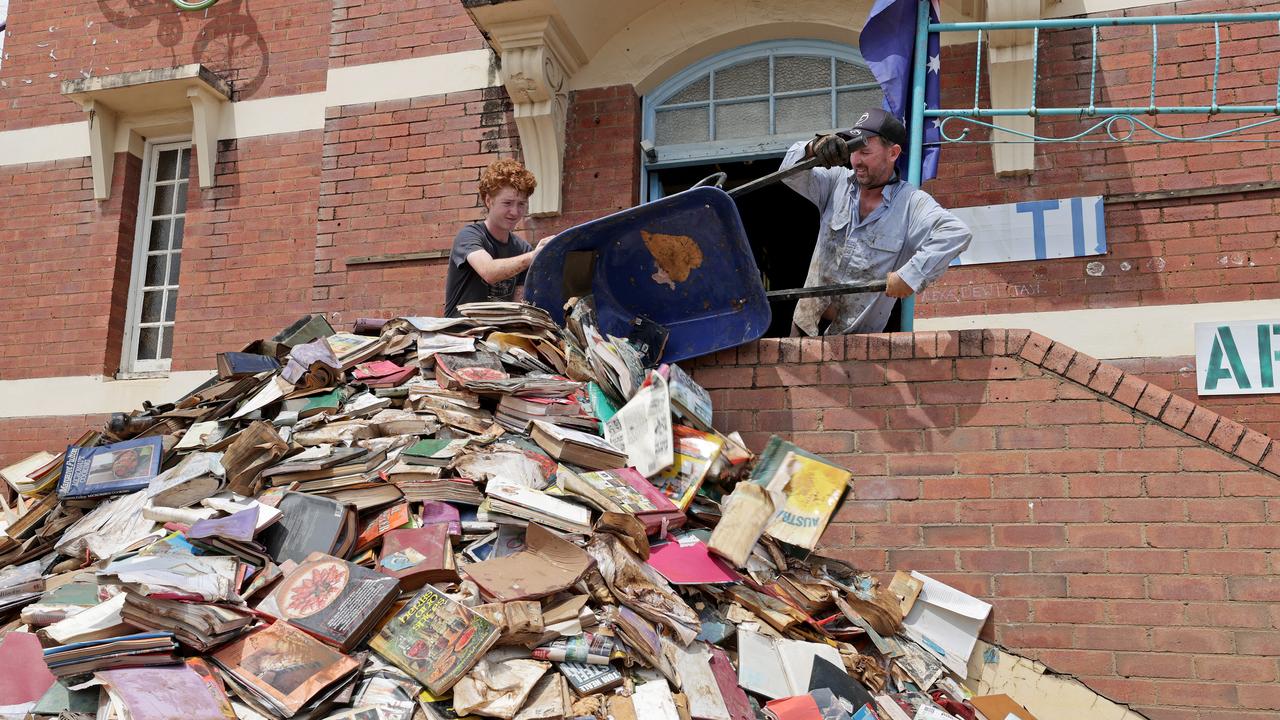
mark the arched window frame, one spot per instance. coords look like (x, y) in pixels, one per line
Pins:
(742, 148)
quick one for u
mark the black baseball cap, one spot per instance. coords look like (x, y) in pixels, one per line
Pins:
(876, 122)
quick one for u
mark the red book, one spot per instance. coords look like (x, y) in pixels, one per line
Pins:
(417, 556)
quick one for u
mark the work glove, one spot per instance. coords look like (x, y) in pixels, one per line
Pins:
(831, 151)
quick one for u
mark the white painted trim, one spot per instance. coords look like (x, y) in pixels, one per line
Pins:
(1111, 333)
(271, 116)
(417, 77)
(45, 143)
(375, 82)
(92, 394)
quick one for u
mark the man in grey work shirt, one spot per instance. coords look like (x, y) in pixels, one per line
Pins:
(874, 225)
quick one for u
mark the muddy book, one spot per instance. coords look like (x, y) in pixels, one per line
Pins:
(334, 600)
(283, 667)
(435, 639)
(812, 485)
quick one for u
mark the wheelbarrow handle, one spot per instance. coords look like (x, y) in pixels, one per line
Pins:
(718, 179)
(773, 177)
(825, 290)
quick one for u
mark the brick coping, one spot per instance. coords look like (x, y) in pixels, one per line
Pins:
(1108, 381)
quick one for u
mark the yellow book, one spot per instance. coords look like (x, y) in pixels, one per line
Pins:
(813, 489)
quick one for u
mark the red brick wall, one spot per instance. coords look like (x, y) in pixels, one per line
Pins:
(24, 436)
(369, 31)
(400, 177)
(601, 158)
(58, 310)
(263, 47)
(1260, 412)
(1208, 249)
(1113, 546)
(249, 248)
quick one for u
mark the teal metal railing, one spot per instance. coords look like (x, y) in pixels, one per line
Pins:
(1119, 122)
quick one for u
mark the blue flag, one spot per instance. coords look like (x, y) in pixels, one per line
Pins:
(887, 43)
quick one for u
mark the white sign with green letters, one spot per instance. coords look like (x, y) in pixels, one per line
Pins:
(1238, 358)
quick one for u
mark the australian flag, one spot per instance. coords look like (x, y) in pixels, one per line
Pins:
(887, 44)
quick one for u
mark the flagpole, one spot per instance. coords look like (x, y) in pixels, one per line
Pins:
(915, 155)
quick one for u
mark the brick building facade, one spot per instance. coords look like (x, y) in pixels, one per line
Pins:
(356, 129)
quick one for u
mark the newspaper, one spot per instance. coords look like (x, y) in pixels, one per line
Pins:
(642, 428)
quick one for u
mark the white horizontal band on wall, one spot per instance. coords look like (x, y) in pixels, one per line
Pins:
(94, 394)
(375, 82)
(1113, 333)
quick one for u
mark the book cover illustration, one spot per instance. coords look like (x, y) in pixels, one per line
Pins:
(332, 598)
(284, 664)
(812, 485)
(695, 452)
(435, 639)
(110, 469)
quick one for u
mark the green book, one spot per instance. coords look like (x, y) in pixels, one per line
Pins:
(324, 403)
(601, 405)
(427, 448)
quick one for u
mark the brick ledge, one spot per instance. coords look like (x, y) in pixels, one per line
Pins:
(1109, 381)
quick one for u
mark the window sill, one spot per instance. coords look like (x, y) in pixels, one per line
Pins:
(142, 375)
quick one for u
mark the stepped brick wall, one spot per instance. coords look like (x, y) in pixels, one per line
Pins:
(1123, 534)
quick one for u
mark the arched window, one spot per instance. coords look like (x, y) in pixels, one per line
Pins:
(754, 101)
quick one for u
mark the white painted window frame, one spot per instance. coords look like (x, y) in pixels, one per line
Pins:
(130, 366)
(758, 148)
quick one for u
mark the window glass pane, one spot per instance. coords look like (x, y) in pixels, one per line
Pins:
(148, 343)
(801, 73)
(160, 234)
(748, 78)
(742, 120)
(167, 165)
(166, 345)
(179, 226)
(184, 164)
(170, 305)
(852, 103)
(673, 127)
(151, 301)
(850, 74)
(181, 191)
(803, 114)
(693, 92)
(163, 204)
(175, 262)
(155, 270)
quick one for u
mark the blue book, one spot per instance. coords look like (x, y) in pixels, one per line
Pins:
(50, 654)
(115, 469)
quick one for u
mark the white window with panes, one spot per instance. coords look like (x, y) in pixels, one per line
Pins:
(157, 258)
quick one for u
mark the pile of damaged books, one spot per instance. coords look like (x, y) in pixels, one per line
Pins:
(450, 517)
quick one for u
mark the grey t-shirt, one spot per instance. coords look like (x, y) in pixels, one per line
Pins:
(463, 284)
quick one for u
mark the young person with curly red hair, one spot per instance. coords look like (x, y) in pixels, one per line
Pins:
(488, 259)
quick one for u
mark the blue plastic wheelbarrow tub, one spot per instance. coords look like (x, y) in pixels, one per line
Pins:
(683, 262)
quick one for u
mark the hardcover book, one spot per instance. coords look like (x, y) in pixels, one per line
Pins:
(435, 639)
(416, 556)
(308, 524)
(334, 600)
(284, 666)
(113, 469)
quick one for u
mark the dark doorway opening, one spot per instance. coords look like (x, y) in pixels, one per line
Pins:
(781, 225)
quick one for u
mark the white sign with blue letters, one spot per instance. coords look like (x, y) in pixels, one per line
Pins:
(1238, 358)
(1034, 230)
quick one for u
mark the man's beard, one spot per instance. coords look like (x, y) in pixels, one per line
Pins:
(875, 181)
